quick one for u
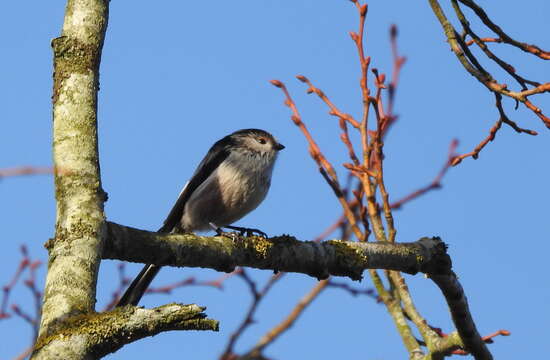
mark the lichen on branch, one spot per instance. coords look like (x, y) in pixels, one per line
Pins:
(102, 333)
(282, 253)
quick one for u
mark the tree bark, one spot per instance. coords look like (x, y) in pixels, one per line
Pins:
(284, 253)
(70, 328)
(94, 335)
(74, 253)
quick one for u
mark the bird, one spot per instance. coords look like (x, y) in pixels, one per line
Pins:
(231, 180)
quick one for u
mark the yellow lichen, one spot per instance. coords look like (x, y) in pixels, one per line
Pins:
(350, 258)
(261, 245)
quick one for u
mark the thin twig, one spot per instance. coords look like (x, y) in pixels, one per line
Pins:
(30, 265)
(481, 44)
(274, 333)
(488, 339)
(24, 354)
(228, 353)
(354, 291)
(25, 170)
(492, 133)
(473, 66)
(167, 288)
(436, 182)
(533, 49)
(325, 167)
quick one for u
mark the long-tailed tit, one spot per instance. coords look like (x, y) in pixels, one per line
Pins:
(231, 181)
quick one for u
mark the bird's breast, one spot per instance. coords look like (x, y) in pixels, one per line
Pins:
(233, 190)
(243, 188)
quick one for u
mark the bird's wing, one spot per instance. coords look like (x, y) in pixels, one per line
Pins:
(215, 156)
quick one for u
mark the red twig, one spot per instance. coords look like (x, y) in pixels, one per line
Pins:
(334, 111)
(31, 266)
(503, 37)
(493, 132)
(325, 167)
(248, 320)
(24, 354)
(344, 119)
(284, 325)
(486, 40)
(164, 289)
(354, 291)
(23, 315)
(25, 170)
(26, 263)
(398, 62)
(487, 339)
(6, 289)
(436, 182)
(472, 65)
(314, 149)
(329, 230)
(189, 281)
(257, 296)
(123, 283)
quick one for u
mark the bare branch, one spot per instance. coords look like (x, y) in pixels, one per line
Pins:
(436, 182)
(533, 49)
(283, 253)
(458, 305)
(103, 333)
(274, 333)
(257, 297)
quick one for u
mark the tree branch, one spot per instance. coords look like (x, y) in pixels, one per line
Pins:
(75, 250)
(458, 305)
(533, 49)
(74, 253)
(472, 65)
(104, 333)
(283, 253)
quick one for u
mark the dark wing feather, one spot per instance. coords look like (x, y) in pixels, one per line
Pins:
(215, 156)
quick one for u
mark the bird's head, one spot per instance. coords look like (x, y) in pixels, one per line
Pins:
(256, 140)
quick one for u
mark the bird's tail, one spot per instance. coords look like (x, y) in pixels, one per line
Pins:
(137, 288)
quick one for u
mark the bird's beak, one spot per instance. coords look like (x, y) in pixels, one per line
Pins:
(279, 147)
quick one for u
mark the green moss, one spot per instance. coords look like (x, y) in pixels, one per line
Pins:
(75, 325)
(105, 329)
(72, 56)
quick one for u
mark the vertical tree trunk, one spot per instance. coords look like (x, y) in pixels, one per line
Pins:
(75, 252)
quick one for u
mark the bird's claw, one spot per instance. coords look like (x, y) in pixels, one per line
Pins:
(248, 231)
(233, 236)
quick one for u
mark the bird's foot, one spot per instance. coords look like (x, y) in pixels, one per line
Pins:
(247, 231)
(230, 235)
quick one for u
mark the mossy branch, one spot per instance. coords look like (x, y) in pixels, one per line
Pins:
(320, 260)
(74, 252)
(104, 333)
(282, 253)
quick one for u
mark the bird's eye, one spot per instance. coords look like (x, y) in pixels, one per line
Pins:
(262, 140)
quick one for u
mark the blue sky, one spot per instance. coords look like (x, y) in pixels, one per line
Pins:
(178, 76)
